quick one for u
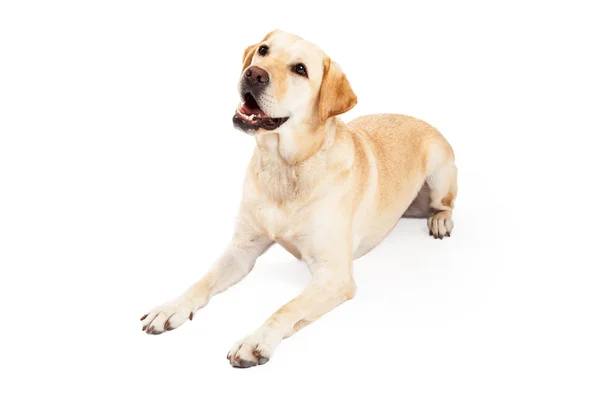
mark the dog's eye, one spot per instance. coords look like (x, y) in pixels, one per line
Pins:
(300, 69)
(263, 50)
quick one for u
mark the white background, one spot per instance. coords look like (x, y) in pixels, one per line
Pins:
(120, 175)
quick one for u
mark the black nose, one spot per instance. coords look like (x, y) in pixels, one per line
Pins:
(257, 76)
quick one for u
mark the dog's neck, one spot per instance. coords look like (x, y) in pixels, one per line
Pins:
(284, 163)
(298, 145)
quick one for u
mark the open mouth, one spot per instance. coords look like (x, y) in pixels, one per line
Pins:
(249, 116)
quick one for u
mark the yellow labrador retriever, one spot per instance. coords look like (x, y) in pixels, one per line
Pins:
(326, 191)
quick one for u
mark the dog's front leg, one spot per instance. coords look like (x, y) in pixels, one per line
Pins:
(235, 263)
(331, 285)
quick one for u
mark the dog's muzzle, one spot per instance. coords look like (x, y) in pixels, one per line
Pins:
(249, 117)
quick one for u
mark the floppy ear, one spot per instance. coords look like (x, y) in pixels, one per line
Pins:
(248, 54)
(336, 96)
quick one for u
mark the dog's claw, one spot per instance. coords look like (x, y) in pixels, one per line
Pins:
(263, 360)
(144, 317)
(244, 364)
(191, 316)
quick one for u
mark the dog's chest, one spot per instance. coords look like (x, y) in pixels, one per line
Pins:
(285, 226)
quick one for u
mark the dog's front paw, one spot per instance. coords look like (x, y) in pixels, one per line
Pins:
(255, 349)
(440, 224)
(167, 317)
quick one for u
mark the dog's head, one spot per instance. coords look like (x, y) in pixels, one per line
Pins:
(288, 82)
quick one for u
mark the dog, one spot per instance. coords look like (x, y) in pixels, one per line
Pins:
(328, 192)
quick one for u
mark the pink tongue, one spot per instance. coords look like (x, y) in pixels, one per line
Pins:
(249, 111)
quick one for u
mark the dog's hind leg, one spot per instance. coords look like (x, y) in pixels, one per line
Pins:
(419, 208)
(442, 193)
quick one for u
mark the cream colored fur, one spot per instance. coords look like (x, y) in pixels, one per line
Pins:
(326, 191)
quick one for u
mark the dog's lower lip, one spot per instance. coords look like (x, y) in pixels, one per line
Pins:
(254, 122)
(249, 116)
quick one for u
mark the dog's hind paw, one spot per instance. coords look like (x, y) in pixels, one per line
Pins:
(440, 224)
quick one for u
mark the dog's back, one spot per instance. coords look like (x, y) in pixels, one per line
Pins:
(407, 154)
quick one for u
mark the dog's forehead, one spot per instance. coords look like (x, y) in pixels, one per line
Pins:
(283, 43)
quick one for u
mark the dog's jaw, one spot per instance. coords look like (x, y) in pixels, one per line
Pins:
(250, 118)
